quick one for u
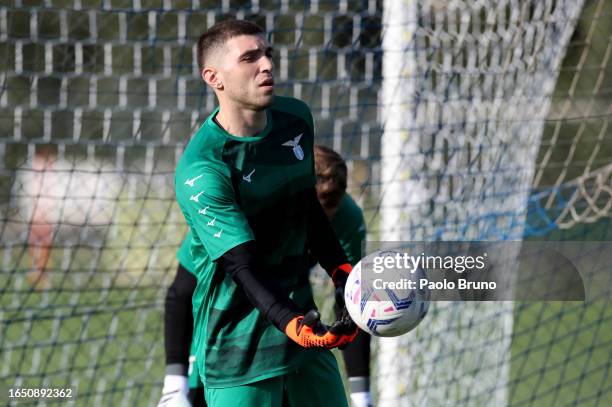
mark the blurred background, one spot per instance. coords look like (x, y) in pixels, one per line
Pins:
(459, 120)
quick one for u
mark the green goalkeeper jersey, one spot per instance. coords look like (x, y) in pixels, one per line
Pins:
(232, 190)
(348, 224)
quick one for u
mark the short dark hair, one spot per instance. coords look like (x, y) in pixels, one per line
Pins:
(219, 33)
(331, 172)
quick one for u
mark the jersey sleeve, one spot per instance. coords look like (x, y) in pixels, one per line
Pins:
(207, 199)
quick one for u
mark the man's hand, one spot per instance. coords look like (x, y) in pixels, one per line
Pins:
(309, 332)
(339, 277)
(174, 393)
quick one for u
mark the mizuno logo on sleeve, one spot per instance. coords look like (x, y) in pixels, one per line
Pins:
(191, 181)
(196, 198)
(247, 178)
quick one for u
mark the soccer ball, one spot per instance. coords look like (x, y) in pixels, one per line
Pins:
(385, 311)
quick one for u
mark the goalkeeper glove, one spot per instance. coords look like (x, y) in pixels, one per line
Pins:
(339, 277)
(174, 393)
(308, 332)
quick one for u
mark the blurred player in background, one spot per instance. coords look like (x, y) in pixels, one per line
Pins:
(347, 221)
(246, 187)
(182, 377)
(41, 228)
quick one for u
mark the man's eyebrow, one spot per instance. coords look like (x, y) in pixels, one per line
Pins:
(257, 51)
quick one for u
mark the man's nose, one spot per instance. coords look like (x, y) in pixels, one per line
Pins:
(267, 64)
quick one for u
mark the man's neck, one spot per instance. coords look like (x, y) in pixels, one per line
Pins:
(241, 122)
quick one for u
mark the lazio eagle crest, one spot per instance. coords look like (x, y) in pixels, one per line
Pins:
(297, 149)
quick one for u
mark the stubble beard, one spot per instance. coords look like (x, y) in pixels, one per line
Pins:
(256, 102)
(260, 104)
(268, 103)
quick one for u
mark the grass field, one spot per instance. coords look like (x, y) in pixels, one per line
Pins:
(108, 344)
(101, 332)
(99, 328)
(562, 352)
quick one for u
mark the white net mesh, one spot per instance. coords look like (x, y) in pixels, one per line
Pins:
(467, 93)
(495, 127)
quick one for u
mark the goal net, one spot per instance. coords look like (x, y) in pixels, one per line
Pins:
(459, 120)
(477, 100)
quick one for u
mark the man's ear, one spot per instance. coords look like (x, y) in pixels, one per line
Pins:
(209, 75)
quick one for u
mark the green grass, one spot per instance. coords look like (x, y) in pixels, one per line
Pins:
(562, 352)
(101, 349)
(100, 328)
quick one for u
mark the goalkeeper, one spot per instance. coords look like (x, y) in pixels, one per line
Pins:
(348, 224)
(245, 185)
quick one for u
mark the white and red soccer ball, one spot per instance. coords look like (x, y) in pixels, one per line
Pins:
(385, 312)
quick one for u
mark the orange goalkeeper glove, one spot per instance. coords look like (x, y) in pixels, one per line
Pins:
(339, 277)
(308, 332)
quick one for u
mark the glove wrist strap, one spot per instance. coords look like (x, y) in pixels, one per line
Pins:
(176, 369)
(343, 269)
